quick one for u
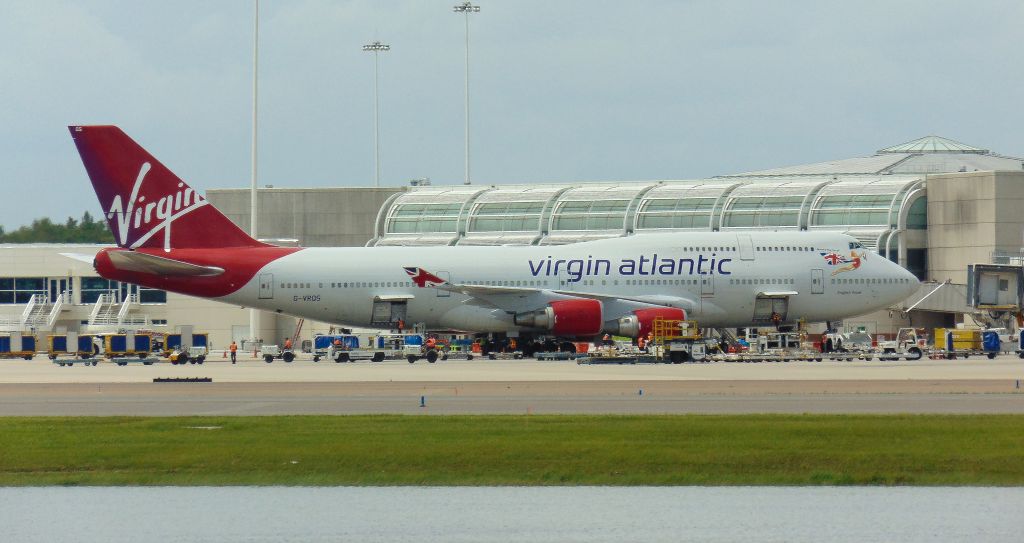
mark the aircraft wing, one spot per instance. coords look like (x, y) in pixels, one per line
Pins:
(516, 299)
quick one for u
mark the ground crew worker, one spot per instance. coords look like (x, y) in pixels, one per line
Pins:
(234, 351)
(512, 344)
(776, 319)
(431, 342)
(287, 344)
(641, 343)
(401, 325)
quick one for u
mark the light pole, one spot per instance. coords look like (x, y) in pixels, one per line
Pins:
(466, 8)
(253, 315)
(376, 48)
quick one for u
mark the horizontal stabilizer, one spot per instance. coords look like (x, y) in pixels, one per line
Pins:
(134, 261)
(80, 257)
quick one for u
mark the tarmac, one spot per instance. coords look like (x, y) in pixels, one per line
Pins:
(252, 387)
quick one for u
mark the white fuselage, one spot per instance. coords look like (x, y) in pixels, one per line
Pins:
(720, 279)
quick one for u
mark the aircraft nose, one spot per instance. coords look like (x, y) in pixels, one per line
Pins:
(911, 284)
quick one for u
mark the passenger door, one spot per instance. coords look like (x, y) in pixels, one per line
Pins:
(817, 281)
(746, 246)
(707, 285)
(266, 286)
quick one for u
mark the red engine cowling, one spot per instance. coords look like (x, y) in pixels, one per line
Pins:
(641, 322)
(565, 318)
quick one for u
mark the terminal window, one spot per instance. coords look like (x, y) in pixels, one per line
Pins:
(18, 290)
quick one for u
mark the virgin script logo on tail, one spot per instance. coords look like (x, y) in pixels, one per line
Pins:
(133, 221)
(423, 278)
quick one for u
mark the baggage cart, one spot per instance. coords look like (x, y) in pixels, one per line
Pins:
(18, 345)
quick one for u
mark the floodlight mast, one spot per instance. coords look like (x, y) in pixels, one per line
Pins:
(253, 314)
(466, 8)
(376, 48)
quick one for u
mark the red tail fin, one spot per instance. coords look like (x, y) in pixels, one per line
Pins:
(146, 205)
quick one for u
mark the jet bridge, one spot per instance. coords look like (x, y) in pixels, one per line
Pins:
(995, 291)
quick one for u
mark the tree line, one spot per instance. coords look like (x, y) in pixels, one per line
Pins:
(84, 230)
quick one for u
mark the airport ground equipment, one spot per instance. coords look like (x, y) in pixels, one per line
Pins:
(991, 343)
(354, 347)
(200, 346)
(953, 343)
(1020, 345)
(127, 344)
(415, 349)
(909, 344)
(848, 346)
(677, 341)
(90, 361)
(271, 352)
(597, 358)
(323, 345)
(71, 345)
(508, 355)
(556, 355)
(193, 355)
(18, 345)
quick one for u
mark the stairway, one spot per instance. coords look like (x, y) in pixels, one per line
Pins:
(37, 312)
(104, 311)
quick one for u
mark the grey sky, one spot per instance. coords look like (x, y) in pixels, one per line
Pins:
(562, 90)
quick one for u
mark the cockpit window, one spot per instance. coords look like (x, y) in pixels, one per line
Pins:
(856, 245)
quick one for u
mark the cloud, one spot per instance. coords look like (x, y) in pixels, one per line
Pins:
(563, 91)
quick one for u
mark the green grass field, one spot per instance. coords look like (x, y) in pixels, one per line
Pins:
(515, 450)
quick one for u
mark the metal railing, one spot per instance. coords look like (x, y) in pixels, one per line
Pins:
(126, 307)
(26, 315)
(51, 319)
(1009, 258)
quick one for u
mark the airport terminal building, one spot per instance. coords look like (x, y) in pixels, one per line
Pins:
(933, 205)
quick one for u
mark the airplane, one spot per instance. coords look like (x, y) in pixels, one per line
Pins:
(169, 237)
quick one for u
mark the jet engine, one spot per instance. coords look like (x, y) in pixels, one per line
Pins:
(565, 318)
(641, 322)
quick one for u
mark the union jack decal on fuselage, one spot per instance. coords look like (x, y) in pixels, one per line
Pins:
(845, 263)
(423, 278)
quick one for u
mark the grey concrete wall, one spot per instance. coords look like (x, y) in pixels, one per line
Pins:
(320, 217)
(970, 215)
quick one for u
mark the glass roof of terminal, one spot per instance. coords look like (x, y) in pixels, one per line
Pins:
(933, 144)
(865, 206)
